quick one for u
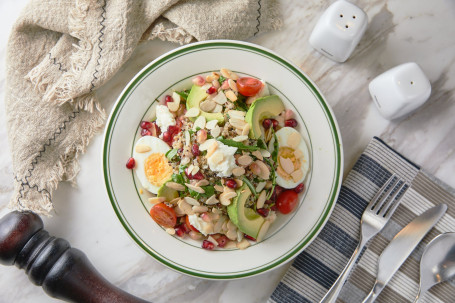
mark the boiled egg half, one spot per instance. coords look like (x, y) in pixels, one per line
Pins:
(152, 167)
(293, 157)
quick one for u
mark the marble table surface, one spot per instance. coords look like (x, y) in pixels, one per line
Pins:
(399, 31)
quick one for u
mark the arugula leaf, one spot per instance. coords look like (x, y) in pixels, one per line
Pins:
(171, 154)
(261, 144)
(178, 178)
(272, 176)
(248, 183)
(275, 148)
(240, 105)
(209, 191)
(221, 79)
(239, 145)
(182, 168)
(183, 94)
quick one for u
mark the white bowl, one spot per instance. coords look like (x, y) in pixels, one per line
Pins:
(290, 234)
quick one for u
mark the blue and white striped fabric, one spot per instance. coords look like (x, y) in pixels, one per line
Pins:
(315, 270)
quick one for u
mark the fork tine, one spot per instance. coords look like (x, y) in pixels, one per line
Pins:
(389, 208)
(374, 204)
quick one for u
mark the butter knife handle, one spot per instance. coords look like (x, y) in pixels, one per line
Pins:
(334, 291)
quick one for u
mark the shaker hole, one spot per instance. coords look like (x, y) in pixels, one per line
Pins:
(341, 16)
(412, 82)
(347, 26)
(353, 17)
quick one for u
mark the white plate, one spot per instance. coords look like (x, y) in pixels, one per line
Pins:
(290, 234)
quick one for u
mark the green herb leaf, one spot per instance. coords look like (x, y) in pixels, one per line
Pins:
(183, 94)
(240, 105)
(248, 183)
(272, 177)
(239, 145)
(177, 178)
(171, 154)
(209, 191)
(221, 79)
(275, 148)
(261, 144)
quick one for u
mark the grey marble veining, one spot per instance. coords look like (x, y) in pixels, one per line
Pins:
(399, 31)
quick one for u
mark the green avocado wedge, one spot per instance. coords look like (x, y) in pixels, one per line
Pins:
(246, 219)
(168, 193)
(196, 96)
(262, 108)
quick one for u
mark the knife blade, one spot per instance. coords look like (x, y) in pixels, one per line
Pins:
(401, 246)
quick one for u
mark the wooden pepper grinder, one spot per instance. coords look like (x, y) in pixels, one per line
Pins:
(65, 273)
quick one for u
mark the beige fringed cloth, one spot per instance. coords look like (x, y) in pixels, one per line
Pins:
(61, 52)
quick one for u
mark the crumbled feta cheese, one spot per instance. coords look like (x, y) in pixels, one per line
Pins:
(198, 223)
(164, 118)
(227, 164)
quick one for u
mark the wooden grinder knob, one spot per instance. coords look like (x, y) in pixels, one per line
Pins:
(64, 273)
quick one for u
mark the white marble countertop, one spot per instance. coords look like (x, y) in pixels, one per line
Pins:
(399, 31)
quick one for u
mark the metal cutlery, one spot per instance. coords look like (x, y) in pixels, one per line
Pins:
(401, 246)
(438, 263)
(376, 215)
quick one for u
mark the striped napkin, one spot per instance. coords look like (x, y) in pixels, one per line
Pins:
(316, 269)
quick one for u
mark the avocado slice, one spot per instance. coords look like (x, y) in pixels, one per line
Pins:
(261, 109)
(167, 193)
(246, 219)
(198, 94)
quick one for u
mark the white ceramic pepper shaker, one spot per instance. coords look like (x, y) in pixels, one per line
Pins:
(400, 90)
(339, 30)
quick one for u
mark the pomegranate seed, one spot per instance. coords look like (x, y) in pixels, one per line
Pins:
(198, 176)
(195, 150)
(211, 90)
(168, 99)
(275, 123)
(145, 132)
(206, 244)
(290, 123)
(167, 137)
(249, 237)
(278, 189)
(130, 163)
(263, 212)
(274, 207)
(266, 123)
(299, 188)
(180, 230)
(172, 129)
(146, 125)
(231, 184)
(155, 129)
(222, 240)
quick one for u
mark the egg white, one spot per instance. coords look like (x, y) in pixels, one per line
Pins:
(157, 146)
(282, 136)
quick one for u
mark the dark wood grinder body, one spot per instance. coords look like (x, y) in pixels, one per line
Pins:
(63, 272)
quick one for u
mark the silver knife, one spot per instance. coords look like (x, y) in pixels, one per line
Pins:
(402, 246)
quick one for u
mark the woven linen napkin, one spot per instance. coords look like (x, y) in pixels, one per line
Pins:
(60, 52)
(315, 270)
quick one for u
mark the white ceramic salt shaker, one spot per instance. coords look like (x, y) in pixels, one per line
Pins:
(339, 30)
(400, 90)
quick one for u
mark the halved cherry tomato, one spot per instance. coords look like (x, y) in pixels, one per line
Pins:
(287, 201)
(248, 86)
(163, 215)
(187, 221)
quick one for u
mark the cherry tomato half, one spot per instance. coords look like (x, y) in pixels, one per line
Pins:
(187, 221)
(287, 201)
(248, 86)
(163, 215)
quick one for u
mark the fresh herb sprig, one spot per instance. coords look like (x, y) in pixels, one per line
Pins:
(239, 145)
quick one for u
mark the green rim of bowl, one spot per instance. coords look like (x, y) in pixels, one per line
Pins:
(294, 70)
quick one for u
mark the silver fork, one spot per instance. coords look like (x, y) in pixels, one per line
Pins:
(376, 215)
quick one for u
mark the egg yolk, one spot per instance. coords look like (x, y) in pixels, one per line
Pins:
(157, 169)
(287, 153)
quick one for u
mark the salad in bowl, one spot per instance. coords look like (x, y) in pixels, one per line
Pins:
(222, 160)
